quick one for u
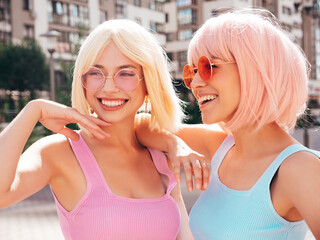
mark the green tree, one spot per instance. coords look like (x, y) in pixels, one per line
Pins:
(23, 67)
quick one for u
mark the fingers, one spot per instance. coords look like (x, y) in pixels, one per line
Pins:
(90, 123)
(205, 175)
(70, 134)
(188, 175)
(177, 170)
(197, 171)
(99, 121)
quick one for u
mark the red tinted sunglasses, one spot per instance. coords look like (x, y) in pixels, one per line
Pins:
(205, 69)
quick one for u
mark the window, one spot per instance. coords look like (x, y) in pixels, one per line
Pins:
(26, 5)
(182, 58)
(103, 16)
(119, 9)
(159, 6)
(2, 14)
(169, 37)
(121, 2)
(5, 37)
(58, 12)
(156, 27)
(152, 4)
(153, 26)
(167, 17)
(317, 33)
(78, 16)
(57, 8)
(28, 31)
(185, 34)
(74, 15)
(138, 20)
(182, 3)
(186, 17)
(84, 16)
(286, 10)
(137, 3)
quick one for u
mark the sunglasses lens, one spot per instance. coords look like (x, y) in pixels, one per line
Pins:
(93, 79)
(126, 80)
(187, 75)
(204, 68)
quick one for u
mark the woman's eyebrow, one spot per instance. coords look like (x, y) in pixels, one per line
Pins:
(119, 67)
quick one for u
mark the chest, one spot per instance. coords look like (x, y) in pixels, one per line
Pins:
(135, 178)
(224, 213)
(245, 177)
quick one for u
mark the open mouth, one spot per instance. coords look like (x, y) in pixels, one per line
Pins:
(113, 102)
(205, 99)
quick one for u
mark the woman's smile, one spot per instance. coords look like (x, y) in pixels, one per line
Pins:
(112, 104)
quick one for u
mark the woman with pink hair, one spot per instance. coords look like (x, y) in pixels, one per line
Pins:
(250, 81)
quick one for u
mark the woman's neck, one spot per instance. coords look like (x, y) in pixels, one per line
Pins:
(270, 138)
(122, 136)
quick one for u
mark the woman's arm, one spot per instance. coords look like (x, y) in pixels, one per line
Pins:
(192, 148)
(21, 175)
(299, 181)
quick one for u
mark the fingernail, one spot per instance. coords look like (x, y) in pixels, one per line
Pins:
(205, 185)
(190, 189)
(198, 186)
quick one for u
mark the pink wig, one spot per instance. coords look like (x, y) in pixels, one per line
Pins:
(273, 70)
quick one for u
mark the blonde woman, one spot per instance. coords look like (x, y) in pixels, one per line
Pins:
(105, 183)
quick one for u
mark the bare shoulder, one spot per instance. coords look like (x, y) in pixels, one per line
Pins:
(300, 164)
(300, 172)
(53, 148)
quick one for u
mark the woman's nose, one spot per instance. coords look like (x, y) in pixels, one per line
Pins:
(197, 82)
(109, 85)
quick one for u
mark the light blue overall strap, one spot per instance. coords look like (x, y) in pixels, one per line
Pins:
(273, 168)
(222, 151)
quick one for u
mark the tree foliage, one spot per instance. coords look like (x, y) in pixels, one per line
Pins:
(23, 67)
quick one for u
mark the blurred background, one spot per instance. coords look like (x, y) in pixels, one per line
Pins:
(39, 41)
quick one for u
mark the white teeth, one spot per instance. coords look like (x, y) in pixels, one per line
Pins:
(207, 98)
(112, 103)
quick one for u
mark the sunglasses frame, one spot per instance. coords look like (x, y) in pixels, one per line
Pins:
(109, 77)
(189, 69)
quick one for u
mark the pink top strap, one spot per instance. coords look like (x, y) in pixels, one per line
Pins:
(161, 163)
(87, 161)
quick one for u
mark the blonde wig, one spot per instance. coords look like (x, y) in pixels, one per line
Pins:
(141, 46)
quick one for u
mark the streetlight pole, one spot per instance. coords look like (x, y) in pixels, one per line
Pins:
(51, 46)
(52, 81)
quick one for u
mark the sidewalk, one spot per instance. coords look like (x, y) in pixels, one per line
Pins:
(35, 218)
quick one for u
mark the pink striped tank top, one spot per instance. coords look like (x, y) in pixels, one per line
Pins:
(102, 215)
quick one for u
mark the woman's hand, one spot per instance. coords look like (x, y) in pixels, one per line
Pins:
(194, 164)
(55, 117)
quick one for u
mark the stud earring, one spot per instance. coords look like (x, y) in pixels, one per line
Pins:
(146, 104)
(91, 111)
